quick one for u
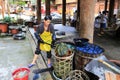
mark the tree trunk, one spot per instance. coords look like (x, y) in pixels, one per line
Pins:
(8, 8)
(86, 28)
(3, 8)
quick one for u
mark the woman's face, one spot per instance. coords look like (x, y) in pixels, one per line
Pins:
(47, 22)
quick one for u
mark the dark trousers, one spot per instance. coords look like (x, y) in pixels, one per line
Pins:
(38, 51)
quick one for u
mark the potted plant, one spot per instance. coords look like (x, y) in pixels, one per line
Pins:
(7, 19)
(3, 27)
(14, 31)
(4, 24)
(20, 21)
(63, 59)
(13, 22)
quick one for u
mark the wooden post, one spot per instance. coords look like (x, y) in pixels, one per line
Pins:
(78, 15)
(106, 2)
(86, 28)
(111, 10)
(118, 14)
(64, 12)
(47, 3)
(38, 11)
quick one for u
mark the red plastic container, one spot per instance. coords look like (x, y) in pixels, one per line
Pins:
(14, 31)
(24, 71)
(3, 27)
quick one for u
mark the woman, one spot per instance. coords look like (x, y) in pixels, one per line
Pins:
(103, 23)
(46, 36)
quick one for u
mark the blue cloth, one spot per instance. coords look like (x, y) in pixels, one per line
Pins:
(90, 49)
(36, 76)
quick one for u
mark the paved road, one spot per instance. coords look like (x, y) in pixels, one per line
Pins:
(14, 54)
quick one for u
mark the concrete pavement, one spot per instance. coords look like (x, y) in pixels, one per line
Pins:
(111, 45)
(14, 54)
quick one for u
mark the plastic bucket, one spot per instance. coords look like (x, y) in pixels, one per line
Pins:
(21, 74)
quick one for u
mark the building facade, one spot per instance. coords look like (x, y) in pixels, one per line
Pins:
(71, 6)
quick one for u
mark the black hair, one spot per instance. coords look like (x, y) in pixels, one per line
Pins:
(104, 12)
(48, 17)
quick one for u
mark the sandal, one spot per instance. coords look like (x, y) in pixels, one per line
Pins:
(31, 65)
(49, 65)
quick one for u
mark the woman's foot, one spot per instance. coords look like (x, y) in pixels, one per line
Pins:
(102, 32)
(31, 65)
(49, 65)
(99, 34)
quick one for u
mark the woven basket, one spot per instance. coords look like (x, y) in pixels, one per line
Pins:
(81, 59)
(62, 65)
(76, 75)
